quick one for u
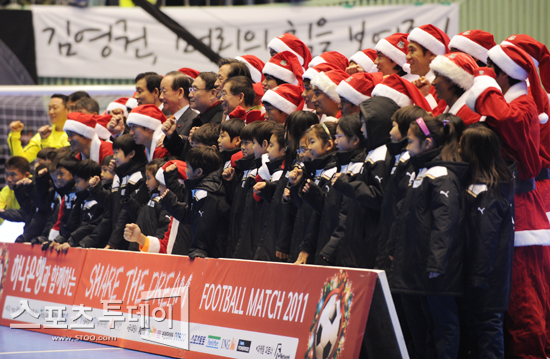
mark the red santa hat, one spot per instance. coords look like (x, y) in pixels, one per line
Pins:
(460, 68)
(285, 66)
(255, 66)
(289, 42)
(519, 65)
(365, 59)
(159, 176)
(258, 89)
(120, 104)
(191, 73)
(149, 116)
(313, 71)
(332, 57)
(358, 87)
(328, 83)
(539, 53)
(80, 123)
(401, 91)
(286, 98)
(475, 43)
(395, 47)
(101, 126)
(431, 38)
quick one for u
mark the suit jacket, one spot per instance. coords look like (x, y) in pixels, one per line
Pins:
(185, 122)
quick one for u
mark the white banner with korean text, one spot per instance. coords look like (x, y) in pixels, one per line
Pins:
(109, 42)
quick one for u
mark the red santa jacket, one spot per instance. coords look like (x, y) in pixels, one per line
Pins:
(99, 149)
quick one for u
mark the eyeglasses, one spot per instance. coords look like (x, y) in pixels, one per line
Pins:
(192, 89)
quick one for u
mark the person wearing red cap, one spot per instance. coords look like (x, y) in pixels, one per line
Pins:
(356, 89)
(82, 135)
(145, 124)
(289, 42)
(425, 43)
(334, 58)
(475, 43)
(325, 98)
(500, 93)
(391, 56)
(46, 136)
(102, 121)
(255, 66)
(280, 102)
(310, 73)
(362, 61)
(189, 72)
(454, 76)
(401, 91)
(174, 94)
(283, 68)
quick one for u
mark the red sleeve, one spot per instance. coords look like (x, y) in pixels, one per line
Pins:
(57, 224)
(105, 150)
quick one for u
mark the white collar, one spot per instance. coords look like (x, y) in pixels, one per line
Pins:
(180, 112)
(430, 76)
(460, 102)
(516, 91)
(156, 137)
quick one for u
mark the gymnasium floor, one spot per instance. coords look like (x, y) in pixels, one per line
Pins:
(24, 344)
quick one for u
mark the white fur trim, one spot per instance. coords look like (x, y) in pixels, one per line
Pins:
(400, 99)
(279, 46)
(154, 244)
(481, 83)
(515, 91)
(53, 234)
(364, 61)
(280, 72)
(113, 105)
(143, 120)
(506, 43)
(470, 47)
(459, 103)
(317, 60)
(506, 64)
(428, 41)
(172, 236)
(310, 73)
(446, 67)
(102, 132)
(156, 137)
(95, 148)
(159, 176)
(80, 128)
(254, 72)
(396, 55)
(132, 103)
(347, 91)
(431, 101)
(279, 102)
(325, 84)
(543, 118)
(536, 237)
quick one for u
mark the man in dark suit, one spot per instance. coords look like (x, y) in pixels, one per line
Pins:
(174, 94)
(202, 98)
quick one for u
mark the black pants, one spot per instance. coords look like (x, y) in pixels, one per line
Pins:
(419, 321)
(446, 334)
(484, 332)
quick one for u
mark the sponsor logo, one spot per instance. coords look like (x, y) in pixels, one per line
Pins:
(513, 37)
(228, 344)
(244, 346)
(401, 44)
(279, 352)
(213, 342)
(284, 63)
(466, 32)
(198, 339)
(349, 79)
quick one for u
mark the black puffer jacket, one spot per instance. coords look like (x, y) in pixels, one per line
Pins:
(429, 235)
(489, 247)
(360, 215)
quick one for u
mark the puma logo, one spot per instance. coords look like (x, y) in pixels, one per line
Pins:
(379, 179)
(481, 209)
(445, 193)
(91, 216)
(201, 213)
(411, 176)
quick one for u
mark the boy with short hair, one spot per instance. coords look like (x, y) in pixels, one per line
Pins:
(206, 135)
(229, 141)
(17, 168)
(129, 181)
(206, 209)
(87, 213)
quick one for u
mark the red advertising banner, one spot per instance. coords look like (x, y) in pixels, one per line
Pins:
(184, 308)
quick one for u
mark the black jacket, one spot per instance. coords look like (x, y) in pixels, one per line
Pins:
(360, 214)
(243, 181)
(429, 233)
(489, 247)
(91, 214)
(101, 233)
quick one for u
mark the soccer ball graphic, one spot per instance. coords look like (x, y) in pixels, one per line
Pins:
(328, 328)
